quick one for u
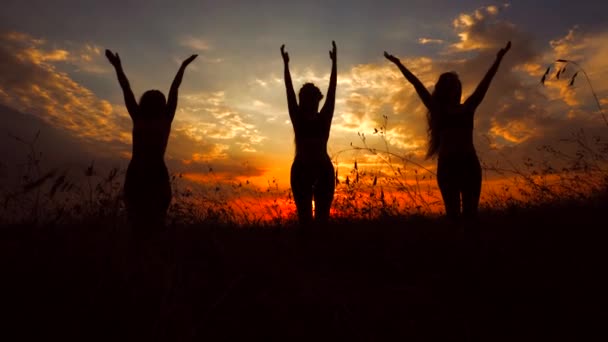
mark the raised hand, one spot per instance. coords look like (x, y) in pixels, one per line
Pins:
(177, 81)
(480, 92)
(284, 54)
(113, 58)
(332, 53)
(391, 58)
(330, 100)
(188, 60)
(130, 102)
(504, 50)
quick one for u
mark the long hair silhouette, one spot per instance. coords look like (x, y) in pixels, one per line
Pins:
(447, 93)
(147, 189)
(312, 172)
(450, 131)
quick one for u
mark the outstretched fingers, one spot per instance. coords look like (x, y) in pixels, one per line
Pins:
(284, 54)
(504, 50)
(113, 57)
(332, 53)
(391, 57)
(189, 60)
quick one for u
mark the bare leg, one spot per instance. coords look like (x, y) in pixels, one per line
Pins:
(301, 186)
(324, 192)
(147, 196)
(471, 190)
(447, 179)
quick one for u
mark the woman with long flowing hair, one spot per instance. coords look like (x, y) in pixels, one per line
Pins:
(450, 131)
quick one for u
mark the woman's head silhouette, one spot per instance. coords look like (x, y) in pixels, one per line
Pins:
(310, 96)
(448, 90)
(152, 103)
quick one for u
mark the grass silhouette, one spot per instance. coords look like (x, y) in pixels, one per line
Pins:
(529, 275)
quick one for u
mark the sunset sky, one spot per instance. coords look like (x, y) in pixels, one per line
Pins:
(232, 111)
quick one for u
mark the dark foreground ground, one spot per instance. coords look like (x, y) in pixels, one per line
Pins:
(534, 276)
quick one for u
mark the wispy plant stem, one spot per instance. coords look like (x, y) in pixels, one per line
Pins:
(597, 100)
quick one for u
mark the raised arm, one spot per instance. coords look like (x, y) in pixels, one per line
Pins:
(330, 101)
(292, 104)
(475, 99)
(130, 102)
(177, 81)
(423, 93)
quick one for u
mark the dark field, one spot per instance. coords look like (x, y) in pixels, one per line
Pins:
(532, 274)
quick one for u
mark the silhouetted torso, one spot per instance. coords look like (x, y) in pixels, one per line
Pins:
(147, 185)
(456, 133)
(150, 137)
(311, 135)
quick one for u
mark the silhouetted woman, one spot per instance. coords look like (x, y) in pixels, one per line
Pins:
(147, 189)
(312, 173)
(451, 136)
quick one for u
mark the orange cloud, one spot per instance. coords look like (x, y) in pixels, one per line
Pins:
(472, 28)
(30, 83)
(217, 152)
(425, 41)
(515, 131)
(533, 69)
(208, 116)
